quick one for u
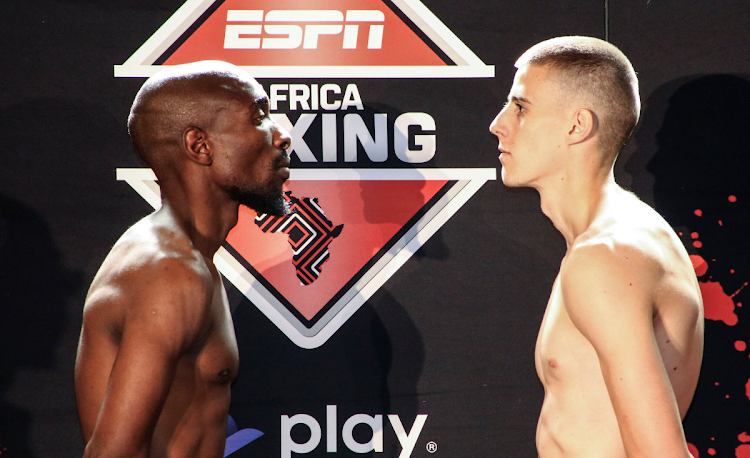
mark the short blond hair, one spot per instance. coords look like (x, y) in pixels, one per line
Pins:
(599, 73)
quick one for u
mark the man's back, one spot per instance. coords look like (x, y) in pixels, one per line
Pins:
(157, 338)
(624, 322)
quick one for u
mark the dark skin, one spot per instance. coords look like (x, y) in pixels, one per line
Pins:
(157, 352)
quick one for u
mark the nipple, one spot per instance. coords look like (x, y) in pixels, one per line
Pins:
(553, 363)
(224, 373)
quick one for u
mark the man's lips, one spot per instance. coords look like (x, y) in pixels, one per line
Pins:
(282, 167)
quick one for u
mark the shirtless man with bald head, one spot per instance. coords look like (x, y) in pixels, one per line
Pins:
(620, 346)
(157, 351)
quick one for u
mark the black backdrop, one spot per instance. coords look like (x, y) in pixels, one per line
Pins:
(452, 333)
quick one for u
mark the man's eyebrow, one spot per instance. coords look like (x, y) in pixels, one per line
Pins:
(520, 99)
(262, 100)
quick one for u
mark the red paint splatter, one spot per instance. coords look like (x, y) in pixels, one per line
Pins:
(743, 451)
(747, 389)
(731, 271)
(740, 345)
(717, 384)
(693, 450)
(733, 198)
(699, 264)
(711, 452)
(718, 306)
(738, 291)
(698, 212)
(744, 437)
(680, 234)
(739, 304)
(698, 244)
(727, 396)
(694, 235)
(720, 223)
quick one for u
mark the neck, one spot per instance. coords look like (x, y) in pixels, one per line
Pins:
(573, 199)
(202, 213)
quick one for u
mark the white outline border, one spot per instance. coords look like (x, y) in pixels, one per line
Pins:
(469, 180)
(468, 65)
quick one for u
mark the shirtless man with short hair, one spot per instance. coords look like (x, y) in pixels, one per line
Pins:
(157, 352)
(620, 346)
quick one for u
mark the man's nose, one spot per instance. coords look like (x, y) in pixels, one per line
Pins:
(282, 139)
(497, 127)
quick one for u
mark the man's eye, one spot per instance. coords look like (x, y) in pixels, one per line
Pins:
(521, 108)
(261, 116)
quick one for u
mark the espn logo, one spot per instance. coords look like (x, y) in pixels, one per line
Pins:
(290, 29)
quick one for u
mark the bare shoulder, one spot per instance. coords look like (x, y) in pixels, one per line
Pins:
(631, 237)
(627, 260)
(153, 274)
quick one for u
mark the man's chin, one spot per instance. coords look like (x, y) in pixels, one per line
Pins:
(274, 206)
(270, 204)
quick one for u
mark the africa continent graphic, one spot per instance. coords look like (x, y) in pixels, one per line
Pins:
(308, 231)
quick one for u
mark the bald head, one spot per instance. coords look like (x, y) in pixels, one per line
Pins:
(597, 75)
(180, 97)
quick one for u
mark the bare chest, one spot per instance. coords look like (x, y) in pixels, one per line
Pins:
(562, 352)
(215, 359)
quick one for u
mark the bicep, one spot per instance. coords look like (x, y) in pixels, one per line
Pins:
(138, 386)
(610, 301)
(164, 316)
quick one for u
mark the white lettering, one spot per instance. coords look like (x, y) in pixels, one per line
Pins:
(324, 90)
(407, 441)
(330, 145)
(313, 31)
(287, 443)
(310, 24)
(276, 97)
(375, 422)
(355, 129)
(233, 38)
(299, 93)
(350, 36)
(426, 144)
(375, 39)
(297, 131)
(314, 95)
(352, 98)
(331, 428)
(293, 37)
(374, 444)
(414, 137)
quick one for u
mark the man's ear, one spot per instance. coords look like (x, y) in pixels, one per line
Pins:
(195, 146)
(585, 126)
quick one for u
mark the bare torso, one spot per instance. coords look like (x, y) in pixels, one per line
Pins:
(578, 418)
(182, 409)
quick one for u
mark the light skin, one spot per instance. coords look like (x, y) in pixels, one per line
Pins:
(157, 351)
(620, 346)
